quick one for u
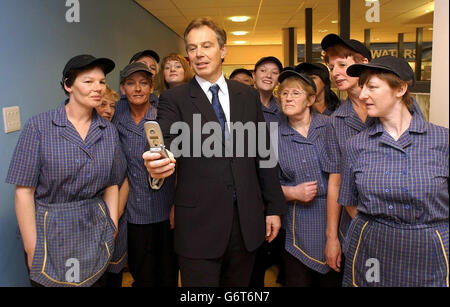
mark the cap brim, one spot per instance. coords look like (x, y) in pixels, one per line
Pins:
(270, 59)
(107, 65)
(132, 71)
(356, 70)
(289, 73)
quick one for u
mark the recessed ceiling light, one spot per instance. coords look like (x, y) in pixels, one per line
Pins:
(239, 18)
(323, 31)
(334, 21)
(240, 42)
(427, 11)
(239, 33)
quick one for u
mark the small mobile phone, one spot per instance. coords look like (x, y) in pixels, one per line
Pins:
(155, 138)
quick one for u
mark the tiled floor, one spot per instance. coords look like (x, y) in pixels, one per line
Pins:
(269, 280)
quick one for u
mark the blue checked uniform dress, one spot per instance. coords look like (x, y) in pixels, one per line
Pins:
(301, 160)
(69, 175)
(401, 192)
(345, 123)
(144, 205)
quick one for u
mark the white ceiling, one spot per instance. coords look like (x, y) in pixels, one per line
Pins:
(269, 17)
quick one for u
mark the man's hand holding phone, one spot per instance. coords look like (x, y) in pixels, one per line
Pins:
(157, 166)
(159, 162)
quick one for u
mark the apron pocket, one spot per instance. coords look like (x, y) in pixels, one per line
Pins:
(77, 245)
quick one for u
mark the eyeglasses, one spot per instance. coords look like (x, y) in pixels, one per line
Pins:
(293, 93)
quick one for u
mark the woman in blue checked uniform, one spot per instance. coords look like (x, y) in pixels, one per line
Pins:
(301, 148)
(66, 171)
(396, 172)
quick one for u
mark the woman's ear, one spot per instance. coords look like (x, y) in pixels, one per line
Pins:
(401, 90)
(311, 100)
(68, 89)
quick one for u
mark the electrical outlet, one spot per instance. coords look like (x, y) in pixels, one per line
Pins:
(11, 118)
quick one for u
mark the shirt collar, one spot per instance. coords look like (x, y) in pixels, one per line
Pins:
(60, 117)
(317, 121)
(345, 109)
(273, 106)
(205, 85)
(418, 125)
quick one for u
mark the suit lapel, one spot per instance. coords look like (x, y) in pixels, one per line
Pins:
(237, 106)
(201, 102)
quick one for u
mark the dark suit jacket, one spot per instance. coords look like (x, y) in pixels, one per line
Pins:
(204, 193)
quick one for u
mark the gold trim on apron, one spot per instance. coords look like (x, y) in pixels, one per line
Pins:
(45, 257)
(356, 254)
(443, 252)
(293, 238)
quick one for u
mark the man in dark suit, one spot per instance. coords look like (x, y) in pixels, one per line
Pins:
(224, 206)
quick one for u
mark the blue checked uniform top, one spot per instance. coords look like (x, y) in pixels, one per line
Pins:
(301, 160)
(403, 181)
(144, 205)
(51, 156)
(271, 113)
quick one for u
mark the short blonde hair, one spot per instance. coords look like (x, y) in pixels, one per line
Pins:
(161, 83)
(110, 94)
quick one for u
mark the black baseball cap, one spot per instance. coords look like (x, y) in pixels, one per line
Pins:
(132, 68)
(269, 59)
(388, 63)
(86, 60)
(294, 72)
(241, 71)
(333, 39)
(311, 66)
(149, 53)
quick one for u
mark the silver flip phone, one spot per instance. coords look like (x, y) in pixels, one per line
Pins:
(155, 138)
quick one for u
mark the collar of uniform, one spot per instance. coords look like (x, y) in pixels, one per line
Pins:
(98, 120)
(317, 121)
(345, 109)
(285, 128)
(273, 106)
(418, 125)
(205, 85)
(60, 117)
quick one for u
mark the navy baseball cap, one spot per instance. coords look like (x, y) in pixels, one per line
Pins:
(149, 53)
(241, 71)
(87, 60)
(333, 39)
(388, 63)
(312, 66)
(132, 68)
(294, 72)
(269, 59)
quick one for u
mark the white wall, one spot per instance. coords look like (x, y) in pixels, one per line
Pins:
(439, 100)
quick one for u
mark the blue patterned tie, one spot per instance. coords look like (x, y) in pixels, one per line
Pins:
(218, 108)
